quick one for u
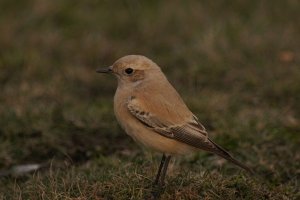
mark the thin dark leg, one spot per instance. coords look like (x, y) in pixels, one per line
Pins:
(160, 177)
(164, 171)
(162, 162)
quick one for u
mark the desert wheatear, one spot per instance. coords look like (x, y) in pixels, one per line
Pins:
(151, 111)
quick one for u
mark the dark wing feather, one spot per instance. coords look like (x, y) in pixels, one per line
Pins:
(191, 133)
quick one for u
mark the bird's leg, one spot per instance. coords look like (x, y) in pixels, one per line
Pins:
(160, 177)
(164, 170)
(162, 162)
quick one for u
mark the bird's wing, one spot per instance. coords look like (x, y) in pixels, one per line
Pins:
(189, 131)
(175, 121)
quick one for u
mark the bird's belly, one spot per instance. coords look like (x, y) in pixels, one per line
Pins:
(144, 135)
(153, 140)
(150, 139)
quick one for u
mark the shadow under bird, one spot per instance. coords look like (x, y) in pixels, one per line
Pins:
(151, 111)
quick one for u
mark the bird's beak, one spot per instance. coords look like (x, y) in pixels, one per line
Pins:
(106, 70)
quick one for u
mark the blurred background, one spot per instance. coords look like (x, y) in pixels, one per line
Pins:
(236, 64)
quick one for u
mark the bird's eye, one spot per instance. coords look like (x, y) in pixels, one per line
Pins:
(128, 71)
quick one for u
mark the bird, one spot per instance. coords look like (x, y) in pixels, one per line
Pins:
(152, 112)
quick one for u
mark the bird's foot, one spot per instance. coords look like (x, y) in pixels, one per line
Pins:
(157, 190)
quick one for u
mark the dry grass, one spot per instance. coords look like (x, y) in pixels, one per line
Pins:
(236, 64)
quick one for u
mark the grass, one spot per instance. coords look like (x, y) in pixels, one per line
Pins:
(235, 64)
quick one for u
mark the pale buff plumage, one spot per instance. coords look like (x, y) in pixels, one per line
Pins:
(152, 112)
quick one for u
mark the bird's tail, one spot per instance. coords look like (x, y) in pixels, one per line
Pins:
(224, 154)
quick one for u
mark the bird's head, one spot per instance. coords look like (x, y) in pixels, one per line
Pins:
(132, 69)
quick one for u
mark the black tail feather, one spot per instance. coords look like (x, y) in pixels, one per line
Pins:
(224, 154)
